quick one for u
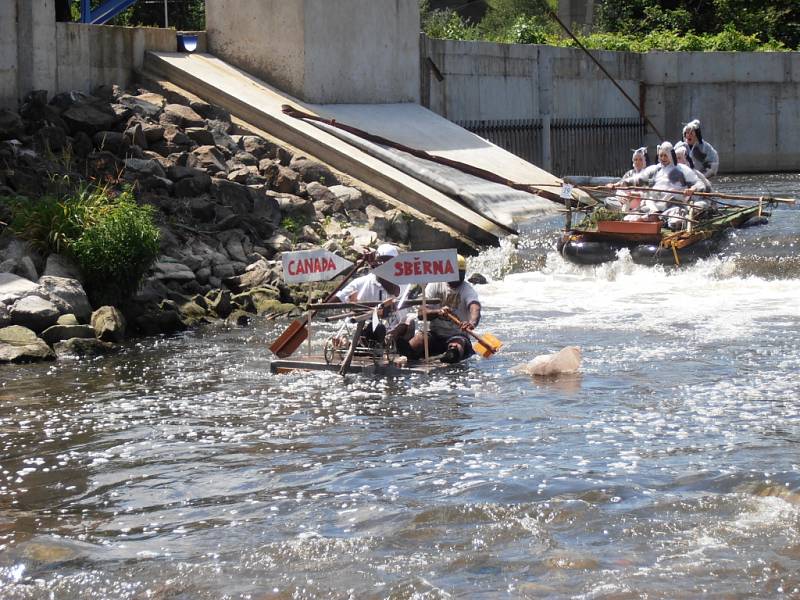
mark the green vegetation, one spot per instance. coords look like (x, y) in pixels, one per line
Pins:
(600, 214)
(633, 25)
(112, 238)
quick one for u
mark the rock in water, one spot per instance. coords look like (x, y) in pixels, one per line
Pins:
(566, 360)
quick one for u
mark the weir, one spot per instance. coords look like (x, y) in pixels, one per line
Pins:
(359, 65)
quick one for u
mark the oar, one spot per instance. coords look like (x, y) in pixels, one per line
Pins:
(297, 331)
(487, 345)
(707, 194)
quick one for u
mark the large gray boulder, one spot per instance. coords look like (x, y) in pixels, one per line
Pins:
(58, 265)
(167, 269)
(59, 333)
(350, 197)
(34, 312)
(11, 125)
(87, 119)
(311, 170)
(13, 287)
(83, 348)
(109, 324)
(180, 116)
(68, 295)
(19, 344)
(145, 105)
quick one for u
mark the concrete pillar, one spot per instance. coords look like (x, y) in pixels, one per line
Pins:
(545, 62)
(322, 51)
(8, 54)
(36, 46)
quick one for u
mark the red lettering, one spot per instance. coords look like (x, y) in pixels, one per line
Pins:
(291, 268)
(398, 269)
(417, 269)
(426, 267)
(327, 264)
(448, 267)
(437, 267)
(408, 269)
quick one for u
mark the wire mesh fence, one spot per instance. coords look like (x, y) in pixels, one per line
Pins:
(593, 147)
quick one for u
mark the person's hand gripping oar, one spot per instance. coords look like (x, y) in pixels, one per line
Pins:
(487, 345)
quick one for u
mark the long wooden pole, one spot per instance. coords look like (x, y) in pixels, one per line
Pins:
(703, 194)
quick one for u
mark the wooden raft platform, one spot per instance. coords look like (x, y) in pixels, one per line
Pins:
(363, 365)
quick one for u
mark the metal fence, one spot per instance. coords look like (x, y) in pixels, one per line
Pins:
(593, 147)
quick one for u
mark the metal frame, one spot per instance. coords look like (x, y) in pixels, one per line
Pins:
(103, 13)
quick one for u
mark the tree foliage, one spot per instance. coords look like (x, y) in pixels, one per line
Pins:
(635, 25)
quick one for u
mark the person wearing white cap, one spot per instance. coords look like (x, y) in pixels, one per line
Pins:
(702, 153)
(459, 298)
(369, 288)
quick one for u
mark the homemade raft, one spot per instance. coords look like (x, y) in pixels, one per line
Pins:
(602, 234)
(346, 351)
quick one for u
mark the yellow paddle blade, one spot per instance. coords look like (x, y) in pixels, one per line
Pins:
(487, 345)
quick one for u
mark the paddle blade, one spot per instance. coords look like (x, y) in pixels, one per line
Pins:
(290, 340)
(487, 346)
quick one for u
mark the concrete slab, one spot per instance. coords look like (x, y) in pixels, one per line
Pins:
(259, 103)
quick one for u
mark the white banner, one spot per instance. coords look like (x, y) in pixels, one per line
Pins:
(420, 267)
(312, 265)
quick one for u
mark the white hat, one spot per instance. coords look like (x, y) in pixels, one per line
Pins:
(386, 250)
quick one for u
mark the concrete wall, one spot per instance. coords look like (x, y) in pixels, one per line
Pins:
(36, 53)
(90, 55)
(322, 51)
(748, 103)
(8, 54)
(487, 81)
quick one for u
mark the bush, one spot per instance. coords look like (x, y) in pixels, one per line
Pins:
(112, 238)
(448, 25)
(115, 250)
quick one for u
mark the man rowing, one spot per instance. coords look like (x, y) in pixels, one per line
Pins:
(456, 298)
(370, 288)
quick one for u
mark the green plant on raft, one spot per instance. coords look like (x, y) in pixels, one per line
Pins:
(600, 214)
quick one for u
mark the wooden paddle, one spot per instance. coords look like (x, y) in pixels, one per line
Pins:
(487, 345)
(297, 331)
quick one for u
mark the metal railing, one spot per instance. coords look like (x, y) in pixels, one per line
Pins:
(592, 147)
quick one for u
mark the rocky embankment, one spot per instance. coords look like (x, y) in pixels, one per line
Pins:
(229, 203)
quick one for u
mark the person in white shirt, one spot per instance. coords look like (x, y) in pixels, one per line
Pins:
(369, 288)
(446, 338)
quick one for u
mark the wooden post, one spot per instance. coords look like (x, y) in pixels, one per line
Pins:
(308, 328)
(351, 352)
(425, 325)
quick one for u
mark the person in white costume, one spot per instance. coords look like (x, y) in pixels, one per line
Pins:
(629, 200)
(703, 154)
(665, 176)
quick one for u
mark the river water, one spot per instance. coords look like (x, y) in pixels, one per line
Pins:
(668, 468)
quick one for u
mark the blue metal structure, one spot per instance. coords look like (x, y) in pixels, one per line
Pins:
(103, 13)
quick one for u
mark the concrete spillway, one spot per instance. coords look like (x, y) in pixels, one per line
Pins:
(259, 104)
